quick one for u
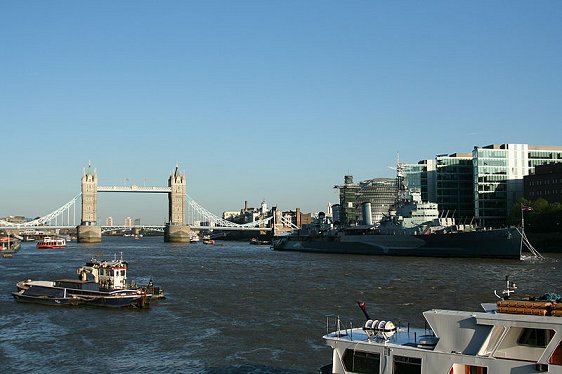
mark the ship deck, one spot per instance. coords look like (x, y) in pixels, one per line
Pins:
(404, 336)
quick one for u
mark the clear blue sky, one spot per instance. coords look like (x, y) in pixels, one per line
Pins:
(273, 100)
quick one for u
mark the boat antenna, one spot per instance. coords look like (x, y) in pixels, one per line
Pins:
(363, 307)
(510, 288)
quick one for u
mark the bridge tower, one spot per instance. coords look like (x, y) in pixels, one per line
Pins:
(88, 231)
(176, 230)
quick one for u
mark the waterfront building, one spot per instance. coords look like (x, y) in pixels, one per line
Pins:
(499, 170)
(128, 222)
(454, 186)
(230, 215)
(420, 178)
(348, 201)
(109, 221)
(336, 216)
(545, 183)
(380, 193)
(247, 214)
(15, 219)
(473, 188)
(137, 221)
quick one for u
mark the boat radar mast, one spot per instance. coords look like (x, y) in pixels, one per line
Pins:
(510, 288)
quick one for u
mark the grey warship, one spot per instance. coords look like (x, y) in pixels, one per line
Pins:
(412, 228)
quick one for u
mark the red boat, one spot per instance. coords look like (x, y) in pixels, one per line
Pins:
(49, 242)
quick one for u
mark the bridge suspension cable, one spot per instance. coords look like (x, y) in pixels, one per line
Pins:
(65, 216)
(203, 214)
(60, 217)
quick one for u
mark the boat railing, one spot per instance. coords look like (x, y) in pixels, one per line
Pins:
(337, 328)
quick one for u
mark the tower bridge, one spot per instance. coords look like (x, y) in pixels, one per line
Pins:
(176, 229)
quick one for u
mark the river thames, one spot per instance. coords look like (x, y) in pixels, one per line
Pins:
(234, 307)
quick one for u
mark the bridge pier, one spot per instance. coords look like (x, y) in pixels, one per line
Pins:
(176, 233)
(88, 231)
(88, 234)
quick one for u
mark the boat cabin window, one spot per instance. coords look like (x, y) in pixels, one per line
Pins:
(522, 343)
(535, 337)
(406, 365)
(361, 362)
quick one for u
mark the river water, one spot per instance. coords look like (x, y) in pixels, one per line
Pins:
(234, 307)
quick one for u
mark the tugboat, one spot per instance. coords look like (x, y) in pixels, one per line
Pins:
(112, 275)
(108, 288)
(523, 336)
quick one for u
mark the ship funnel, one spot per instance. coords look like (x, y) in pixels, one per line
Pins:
(367, 215)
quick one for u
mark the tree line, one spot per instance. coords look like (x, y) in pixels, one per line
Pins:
(539, 215)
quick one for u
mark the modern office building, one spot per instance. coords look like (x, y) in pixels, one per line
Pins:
(420, 177)
(454, 186)
(479, 187)
(128, 222)
(380, 193)
(348, 213)
(109, 221)
(499, 170)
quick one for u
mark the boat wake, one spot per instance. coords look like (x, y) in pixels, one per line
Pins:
(533, 259)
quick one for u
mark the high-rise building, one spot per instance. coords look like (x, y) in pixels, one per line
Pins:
(454, 186)
(479, 187)
(349, 214)
(420, 178)
(128, 221)
(109, 221)
(498, 177)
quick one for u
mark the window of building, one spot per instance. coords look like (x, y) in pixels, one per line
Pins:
(361, 362)
(407, 365)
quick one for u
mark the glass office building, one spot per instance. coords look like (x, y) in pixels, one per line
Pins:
(454, 181)
(498, 177)
(379, 192)
(420, 178)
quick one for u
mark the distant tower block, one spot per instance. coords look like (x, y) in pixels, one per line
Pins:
(88, 231)
(176, 230)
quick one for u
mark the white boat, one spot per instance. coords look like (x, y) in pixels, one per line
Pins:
(47, 243)
(510, 336)
(193, 237)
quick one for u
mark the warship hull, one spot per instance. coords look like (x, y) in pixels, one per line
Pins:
(498, 243)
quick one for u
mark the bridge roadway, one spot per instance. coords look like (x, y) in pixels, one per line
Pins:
(134, 188)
